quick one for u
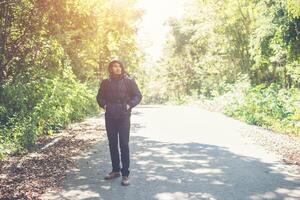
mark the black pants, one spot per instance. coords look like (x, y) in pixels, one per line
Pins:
(118, 129)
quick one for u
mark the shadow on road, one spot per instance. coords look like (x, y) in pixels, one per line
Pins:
(167, 171)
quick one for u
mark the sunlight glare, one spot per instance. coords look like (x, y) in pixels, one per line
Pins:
(153, 30)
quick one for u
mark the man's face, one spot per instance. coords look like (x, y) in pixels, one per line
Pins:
(116, 68)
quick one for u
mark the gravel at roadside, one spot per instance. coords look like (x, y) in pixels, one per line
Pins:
(288, 147)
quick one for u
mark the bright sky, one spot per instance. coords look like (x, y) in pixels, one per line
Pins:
(152, 31)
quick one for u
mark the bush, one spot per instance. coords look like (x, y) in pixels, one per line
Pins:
(42, 105)
(269, 106)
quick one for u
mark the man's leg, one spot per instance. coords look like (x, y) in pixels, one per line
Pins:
(112, 135)
(124, 129)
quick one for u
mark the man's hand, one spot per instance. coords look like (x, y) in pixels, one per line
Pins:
(127, 106)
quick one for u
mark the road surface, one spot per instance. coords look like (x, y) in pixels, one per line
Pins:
(183, 152)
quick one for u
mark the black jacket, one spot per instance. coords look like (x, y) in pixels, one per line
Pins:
(115, 93)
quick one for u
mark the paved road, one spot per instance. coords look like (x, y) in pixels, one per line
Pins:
(183, 152)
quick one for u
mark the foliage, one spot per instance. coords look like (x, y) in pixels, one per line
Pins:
(274, 45)
(43, 105)
(216, 43)
(271, 107)
(294, 7)
(207, 49)
(52, 55)
(90, 33)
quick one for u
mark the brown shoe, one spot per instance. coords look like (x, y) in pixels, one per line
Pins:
(112, 175)
(125, 180)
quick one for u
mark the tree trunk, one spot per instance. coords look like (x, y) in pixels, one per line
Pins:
(3, 39)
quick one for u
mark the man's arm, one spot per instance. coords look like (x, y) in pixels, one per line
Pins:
(101, 96)
(136, 95)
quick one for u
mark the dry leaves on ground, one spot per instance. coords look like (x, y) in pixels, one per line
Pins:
(29, 176)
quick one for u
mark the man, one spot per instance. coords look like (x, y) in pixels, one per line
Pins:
(118, 94)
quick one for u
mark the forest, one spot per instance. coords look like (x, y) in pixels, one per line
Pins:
(54, 53)
(247, 50)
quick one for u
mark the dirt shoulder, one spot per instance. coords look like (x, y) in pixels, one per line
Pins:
(30, 175)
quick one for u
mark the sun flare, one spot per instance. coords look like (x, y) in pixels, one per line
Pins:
(153, 30)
